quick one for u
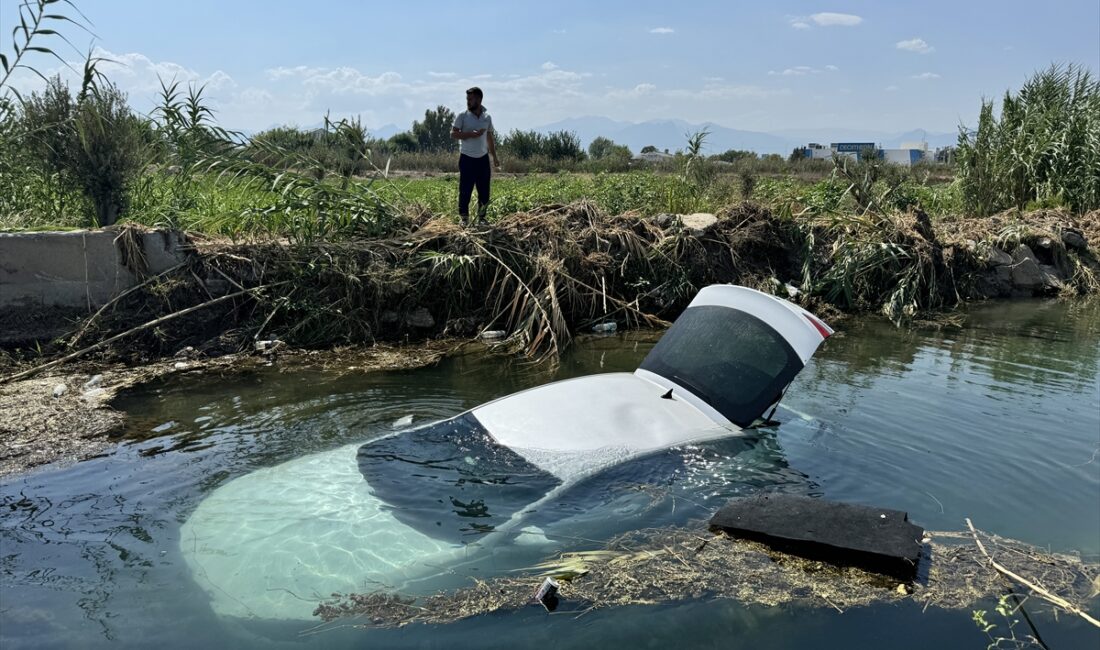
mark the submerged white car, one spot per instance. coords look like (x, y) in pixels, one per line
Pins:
(402, 511)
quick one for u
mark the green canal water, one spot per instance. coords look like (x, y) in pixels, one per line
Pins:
(998, 421)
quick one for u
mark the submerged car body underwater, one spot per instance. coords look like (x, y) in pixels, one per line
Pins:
(405, 511)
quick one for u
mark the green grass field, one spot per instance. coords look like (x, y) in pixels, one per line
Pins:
(213, 206)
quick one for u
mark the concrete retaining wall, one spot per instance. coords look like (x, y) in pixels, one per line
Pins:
(82, 268)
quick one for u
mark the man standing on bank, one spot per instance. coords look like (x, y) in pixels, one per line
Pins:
(473, 128)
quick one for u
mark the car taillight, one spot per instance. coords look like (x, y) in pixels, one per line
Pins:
(819, 326)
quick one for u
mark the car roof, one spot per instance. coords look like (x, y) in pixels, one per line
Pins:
(575, 427)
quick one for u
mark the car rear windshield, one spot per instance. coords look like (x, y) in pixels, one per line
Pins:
(730, 359)
(450, 480)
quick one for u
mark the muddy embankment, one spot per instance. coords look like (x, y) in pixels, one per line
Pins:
(65, 415)
(533, 279)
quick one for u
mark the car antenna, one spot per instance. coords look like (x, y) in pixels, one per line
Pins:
(667, 395)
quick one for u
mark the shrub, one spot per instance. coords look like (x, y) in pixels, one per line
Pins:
(563, 145)
(1043, 148)
(747, 180)
(110, 149)
(601, 147)
(404, 142)
(522, 144)
(733, 155)
(434, 133)
(92, 144)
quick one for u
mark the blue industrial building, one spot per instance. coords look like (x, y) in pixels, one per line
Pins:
(907, 155)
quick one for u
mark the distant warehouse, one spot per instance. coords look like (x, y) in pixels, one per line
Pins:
(909, 154)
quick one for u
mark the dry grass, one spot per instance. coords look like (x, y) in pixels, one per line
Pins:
(38, 428)
(547, 274)
(540, 275)
(662, 565)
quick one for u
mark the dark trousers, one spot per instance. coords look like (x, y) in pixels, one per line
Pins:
(473, 172)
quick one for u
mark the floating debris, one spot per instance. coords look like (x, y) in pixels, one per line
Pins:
(547, 594)
(670, 564)
(848, 534)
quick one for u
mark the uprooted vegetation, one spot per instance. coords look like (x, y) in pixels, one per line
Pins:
(663, 565)
(544, 275)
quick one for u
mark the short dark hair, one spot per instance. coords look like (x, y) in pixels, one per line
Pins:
(476, 91)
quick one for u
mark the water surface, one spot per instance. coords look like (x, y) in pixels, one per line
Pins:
(998, 421)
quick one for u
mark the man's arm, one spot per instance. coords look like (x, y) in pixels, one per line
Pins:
(464, 135)
(456, 129)
(493, 149)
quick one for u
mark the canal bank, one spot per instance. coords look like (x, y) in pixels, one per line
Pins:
(541, 276)
(142, 304)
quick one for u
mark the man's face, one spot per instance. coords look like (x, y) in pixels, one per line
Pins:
(472, 101)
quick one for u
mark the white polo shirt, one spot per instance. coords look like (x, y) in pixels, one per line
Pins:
(468, 121)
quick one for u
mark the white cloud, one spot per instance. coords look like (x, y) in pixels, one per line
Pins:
(801, 71)
(392, 97)
(830, 19)
(622, 95)
(137, 73)
(256, 99)
(891, 89)
(219, 80)
(349, 80)
(799, 24)
(297, 71)
(924, 76)
(917, 45)
(257, 96)
(662, 30)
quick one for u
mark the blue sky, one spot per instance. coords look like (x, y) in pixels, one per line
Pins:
(886, 66)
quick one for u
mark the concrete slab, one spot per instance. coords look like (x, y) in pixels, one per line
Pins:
(80, 268)
(875, 539)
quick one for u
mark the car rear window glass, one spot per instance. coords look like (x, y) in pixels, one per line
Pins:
(730, 359)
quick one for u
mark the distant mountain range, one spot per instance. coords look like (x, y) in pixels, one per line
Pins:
(673, 134)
